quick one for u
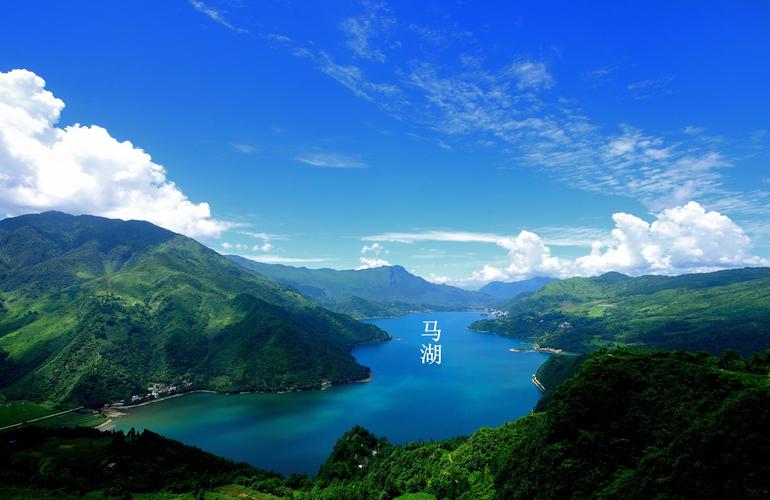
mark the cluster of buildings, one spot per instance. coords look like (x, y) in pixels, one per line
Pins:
(154, 391)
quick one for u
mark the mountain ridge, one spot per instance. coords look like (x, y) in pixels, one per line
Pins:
(390, 289)
(96, 309)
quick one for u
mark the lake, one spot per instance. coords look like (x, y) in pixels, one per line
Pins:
(479, 383)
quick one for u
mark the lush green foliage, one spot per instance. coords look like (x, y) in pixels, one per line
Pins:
(649, 424)
(97, 309)
(712, 312)
(378, 292)
(505, 291)
(553, 372)
(83, 460)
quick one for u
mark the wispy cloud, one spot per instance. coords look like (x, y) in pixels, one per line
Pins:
(597, 76)
(363, 31)
(507, 107)
(645, 89)
(454, 236)
(330, 160)
(245, 148)
(551, 235)
(279, 259)
(530, 75)
(693, 130)
(215, 16)
(352, 77)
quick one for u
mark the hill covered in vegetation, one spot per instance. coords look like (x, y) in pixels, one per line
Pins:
(376, 292)
(508, 290)
(709, 311)
(626, 424)
(93, 309)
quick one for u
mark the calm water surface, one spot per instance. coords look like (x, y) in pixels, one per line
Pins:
(479, 383)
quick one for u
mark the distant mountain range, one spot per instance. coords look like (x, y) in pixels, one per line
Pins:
(708, 311)
(93, 309)
(507, 290)
(381, 291)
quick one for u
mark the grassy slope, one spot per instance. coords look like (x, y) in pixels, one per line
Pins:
(380, 291)
(95, 309)
(713, 311)
(627, 424)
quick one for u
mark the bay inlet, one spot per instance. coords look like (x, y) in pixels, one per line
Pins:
(480, 382)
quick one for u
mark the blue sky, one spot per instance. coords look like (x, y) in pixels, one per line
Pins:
(438, 131)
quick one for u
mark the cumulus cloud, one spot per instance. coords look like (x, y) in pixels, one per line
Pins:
(82, 169)
(372, 262)
(374, 248)
(370, 256)
(682, 239)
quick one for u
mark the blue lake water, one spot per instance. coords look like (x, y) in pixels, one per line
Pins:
(480, 382)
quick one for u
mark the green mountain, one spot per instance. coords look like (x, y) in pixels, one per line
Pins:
(93, 309)
(627, 424)
(381, 291)
(507, 290)
(709, 311)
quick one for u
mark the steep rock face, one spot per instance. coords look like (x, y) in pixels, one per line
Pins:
(95, 309)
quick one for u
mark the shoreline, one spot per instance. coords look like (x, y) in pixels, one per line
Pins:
(115, 412)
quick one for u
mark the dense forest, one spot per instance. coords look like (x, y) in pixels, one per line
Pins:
(627, 423)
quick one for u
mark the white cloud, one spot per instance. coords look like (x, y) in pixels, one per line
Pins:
(215, 16)
(375, 250)
(530, 75)
(82, 169)
(330, 160)
(456, 236)
(646, 89)
(372, 262)
(435, 278)
(693, 130)
(361, 31)
(245, 148)
(682, 239)
(278, 259)
(554, 236)
(263, 246)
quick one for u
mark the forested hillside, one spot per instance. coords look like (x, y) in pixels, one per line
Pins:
(709, 311)
(95, 309)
